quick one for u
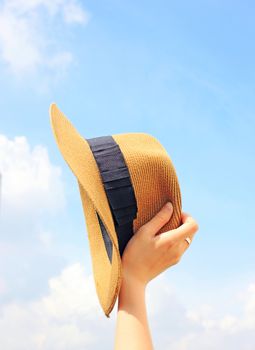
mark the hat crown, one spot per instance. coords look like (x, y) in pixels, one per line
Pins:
(153, 176)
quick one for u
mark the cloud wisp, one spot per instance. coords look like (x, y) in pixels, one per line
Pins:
(29, 34)
(69, 317)
(28, 178)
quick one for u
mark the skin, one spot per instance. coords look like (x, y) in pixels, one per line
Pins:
(146, 255)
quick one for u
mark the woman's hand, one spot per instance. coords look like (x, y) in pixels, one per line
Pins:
(147, 253)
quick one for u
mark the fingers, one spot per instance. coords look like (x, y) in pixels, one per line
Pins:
(188, 229)
(159, 220)
(179, 249)
(184, 245)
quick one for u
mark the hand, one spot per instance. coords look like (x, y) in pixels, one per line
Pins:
(147, 253)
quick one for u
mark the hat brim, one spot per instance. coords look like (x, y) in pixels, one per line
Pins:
(79, 157)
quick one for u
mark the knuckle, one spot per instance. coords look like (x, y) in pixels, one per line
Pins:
(144, 230)
(194, 226)
(170, 243)
(176, 260)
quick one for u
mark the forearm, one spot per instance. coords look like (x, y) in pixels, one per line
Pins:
(132, 328)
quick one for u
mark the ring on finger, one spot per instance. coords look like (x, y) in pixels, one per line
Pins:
(188, 240)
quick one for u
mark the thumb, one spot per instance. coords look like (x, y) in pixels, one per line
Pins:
(159, 220)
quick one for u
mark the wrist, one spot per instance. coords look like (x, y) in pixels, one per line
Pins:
(132, 283)
(132, 292)
(130, 279)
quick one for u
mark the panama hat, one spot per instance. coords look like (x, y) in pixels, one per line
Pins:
(124, 180)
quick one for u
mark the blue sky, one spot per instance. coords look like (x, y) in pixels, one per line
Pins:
(182, 71)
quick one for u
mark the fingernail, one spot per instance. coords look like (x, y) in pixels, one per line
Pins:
(169, 205)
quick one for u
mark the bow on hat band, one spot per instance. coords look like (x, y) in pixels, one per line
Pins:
(119, 190)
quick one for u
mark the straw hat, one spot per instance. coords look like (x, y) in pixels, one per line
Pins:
(123, 180)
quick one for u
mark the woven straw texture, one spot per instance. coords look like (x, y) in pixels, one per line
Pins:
(154, 180)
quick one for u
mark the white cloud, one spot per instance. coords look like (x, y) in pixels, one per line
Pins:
(33, 242)
(72, 295)
(28, 36)
(31, 185)
(74, 14)
(69, 316)
(233, 329)
(231, 322)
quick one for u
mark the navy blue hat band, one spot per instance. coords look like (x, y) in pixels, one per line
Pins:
(119, 190)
